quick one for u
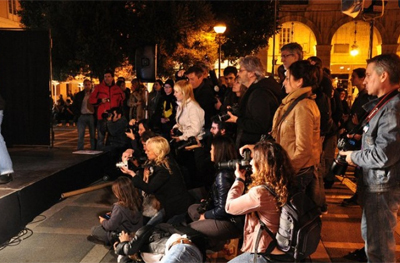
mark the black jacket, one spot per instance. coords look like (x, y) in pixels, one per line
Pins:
(257, 109)
(169, 189)
(204, 95)
(219, 192)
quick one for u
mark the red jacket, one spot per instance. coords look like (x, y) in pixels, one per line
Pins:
(102, 91)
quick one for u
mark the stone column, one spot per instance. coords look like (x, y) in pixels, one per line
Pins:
(389, 48)
(324, 53)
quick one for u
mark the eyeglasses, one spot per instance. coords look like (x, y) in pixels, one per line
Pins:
(286, 56)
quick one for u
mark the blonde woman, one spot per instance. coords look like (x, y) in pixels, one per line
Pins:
(162, 178)
(189, 115)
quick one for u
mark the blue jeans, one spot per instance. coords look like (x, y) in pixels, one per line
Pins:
(378, 223)
(5, 160)
(101, 134)
(247, 257)
(183, 253)
(157, 218)
(83, 121)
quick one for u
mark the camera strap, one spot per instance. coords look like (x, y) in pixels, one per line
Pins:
(379, 105)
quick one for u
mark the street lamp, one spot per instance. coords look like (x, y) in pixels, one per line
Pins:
(219, 29)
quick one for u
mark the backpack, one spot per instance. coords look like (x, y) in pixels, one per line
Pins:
(299, 229)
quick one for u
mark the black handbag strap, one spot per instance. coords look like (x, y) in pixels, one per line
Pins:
(273, 243)
(291, 106)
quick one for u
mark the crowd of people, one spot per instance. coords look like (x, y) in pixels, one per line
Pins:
(188, 134)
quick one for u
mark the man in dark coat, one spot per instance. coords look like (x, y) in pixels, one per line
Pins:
(259, 103)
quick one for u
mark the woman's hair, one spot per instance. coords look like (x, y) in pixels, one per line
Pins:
(310, 74)
(160, 147)
(187, 91)
(272, 168)
(161, 84)
(224, 149)
(128, 196)
(146, 124)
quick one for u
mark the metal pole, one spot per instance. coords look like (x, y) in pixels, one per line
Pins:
(219, 54)
(273, 40)
(371, 37)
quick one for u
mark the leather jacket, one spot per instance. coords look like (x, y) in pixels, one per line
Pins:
(379, 157)
(219, 192)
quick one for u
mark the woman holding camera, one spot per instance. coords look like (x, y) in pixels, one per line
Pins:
(126, 214)
(210, 217)
(162, 177)
(271, 167)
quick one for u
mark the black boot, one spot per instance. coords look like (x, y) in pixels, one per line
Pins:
(5, 178)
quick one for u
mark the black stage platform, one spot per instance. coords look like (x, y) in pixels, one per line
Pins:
(41, 176)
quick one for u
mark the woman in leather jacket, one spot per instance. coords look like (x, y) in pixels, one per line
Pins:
(162, 178)
(210, 217)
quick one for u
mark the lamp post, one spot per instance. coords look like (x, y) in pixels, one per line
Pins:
(219, 29)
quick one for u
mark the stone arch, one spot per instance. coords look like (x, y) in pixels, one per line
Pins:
(377, 25)
(307, 22)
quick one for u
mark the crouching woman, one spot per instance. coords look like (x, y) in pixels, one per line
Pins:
(271, 167)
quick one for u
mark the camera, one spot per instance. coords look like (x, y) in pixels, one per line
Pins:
(176, 132)
(190, 141)
(243, 163)
(204, 206)
(127, 164)
(339, 165)
(225, 116)
(105, 115)
(134, 128)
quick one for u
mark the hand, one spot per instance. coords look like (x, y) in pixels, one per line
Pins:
(240, 173)
(127, 155)
(247, 146)
(202, 217)
(176, 138)
(132, 122)
(164, 120)
(125, 170)
(218, 104)
(232, 118)
(124, 237)
(354, 119)
(104, 100)
(348, 157)
(101, 219)
(130, 135)
(354, 136)
(181, 73)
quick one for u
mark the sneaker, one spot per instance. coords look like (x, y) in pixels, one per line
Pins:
(5, 178)
(357, 255)
(349, 202)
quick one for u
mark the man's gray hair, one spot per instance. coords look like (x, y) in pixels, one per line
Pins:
(252, 64)
(294, 48)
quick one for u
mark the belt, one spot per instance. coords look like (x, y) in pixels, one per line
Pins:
(181, 240)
